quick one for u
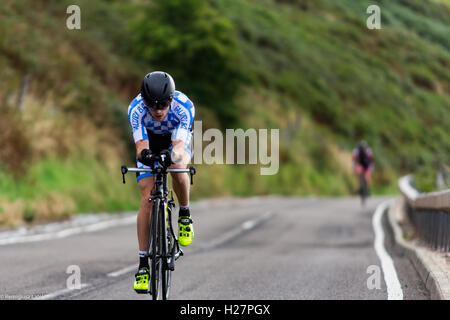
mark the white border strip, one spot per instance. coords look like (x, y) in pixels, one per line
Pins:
(70, 231)
(120, 272)
(393, 285)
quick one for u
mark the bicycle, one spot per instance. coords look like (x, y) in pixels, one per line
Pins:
(162, 241)
(363, 188)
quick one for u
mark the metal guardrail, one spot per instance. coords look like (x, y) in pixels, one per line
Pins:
(429, 213)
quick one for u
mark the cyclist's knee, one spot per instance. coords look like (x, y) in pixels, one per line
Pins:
(145, 186)
(179, 176)
(368, 174)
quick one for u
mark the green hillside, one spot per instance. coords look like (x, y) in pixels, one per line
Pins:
(310, 68)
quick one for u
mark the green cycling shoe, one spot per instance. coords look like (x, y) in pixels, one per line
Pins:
(141, 282)
(185, 231)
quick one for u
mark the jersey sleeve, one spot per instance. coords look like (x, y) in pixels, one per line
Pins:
(185, 112)
(135, 118)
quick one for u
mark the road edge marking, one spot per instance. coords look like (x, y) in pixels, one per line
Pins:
(394, 288)
(70, 231)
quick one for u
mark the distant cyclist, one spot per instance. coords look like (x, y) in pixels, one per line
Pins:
(362, 157)
(161, 119)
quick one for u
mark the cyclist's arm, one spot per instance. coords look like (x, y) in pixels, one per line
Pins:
(179, 154)
(181, 136)
(371, 160)
(141, 145)
(354, 159)
(135, 118)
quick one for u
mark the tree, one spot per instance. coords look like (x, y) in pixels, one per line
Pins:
(193, 42)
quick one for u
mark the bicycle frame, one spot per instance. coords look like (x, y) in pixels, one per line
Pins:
(363, 187)
(161, 223)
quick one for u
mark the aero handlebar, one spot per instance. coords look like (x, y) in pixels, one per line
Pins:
(158, 170)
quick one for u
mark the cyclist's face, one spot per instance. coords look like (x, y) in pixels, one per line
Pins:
(159, 112)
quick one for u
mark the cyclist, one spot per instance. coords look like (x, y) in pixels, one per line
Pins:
(161, 119)
(362, 158)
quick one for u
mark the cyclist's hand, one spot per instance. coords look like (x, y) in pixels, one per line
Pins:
(166, 159)
(147, 158)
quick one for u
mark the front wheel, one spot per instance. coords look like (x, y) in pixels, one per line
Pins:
(155, 256)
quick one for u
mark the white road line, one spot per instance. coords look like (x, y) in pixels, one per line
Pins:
(123, 271)
(393, 285)
(60, 293)
(70, 231)
(244, 227)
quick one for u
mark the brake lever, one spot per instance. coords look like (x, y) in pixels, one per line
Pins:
(192, 172)
(124, 170)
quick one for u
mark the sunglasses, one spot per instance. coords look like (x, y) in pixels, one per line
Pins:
(159, 105)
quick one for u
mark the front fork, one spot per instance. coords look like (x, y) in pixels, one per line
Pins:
(176, 251)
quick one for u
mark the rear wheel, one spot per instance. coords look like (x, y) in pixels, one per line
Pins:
(363, 188)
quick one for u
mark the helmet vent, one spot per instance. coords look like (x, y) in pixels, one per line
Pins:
(165, 88)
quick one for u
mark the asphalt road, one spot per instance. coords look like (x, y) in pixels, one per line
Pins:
(256, 248)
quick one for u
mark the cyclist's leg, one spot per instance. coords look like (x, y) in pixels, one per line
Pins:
(180, 181)
(368, 175)
(181, 186)
(358, 169)
(145, 212)
(142, 277)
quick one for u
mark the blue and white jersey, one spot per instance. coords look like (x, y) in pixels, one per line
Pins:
(178, 121)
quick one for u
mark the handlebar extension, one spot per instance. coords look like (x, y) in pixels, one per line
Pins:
(124, 169)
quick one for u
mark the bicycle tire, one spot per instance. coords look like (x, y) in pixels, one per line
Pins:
(166, 251)
(155, 256)
(363, 188)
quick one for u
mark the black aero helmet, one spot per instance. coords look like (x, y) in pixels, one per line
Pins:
(157, 89)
